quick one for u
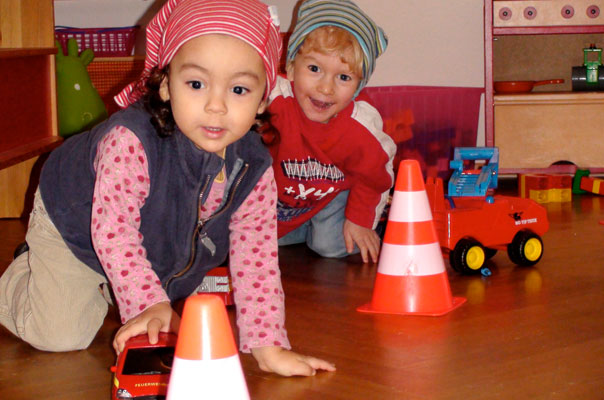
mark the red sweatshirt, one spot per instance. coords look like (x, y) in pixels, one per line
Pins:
(313, 161)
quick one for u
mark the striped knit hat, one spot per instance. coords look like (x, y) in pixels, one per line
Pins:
(346, 15)
(181, 20)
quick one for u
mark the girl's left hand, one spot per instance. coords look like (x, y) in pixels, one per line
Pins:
(287, 363)
(157, 318)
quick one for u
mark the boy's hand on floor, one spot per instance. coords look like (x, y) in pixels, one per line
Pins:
(159, 317)
(287, 363)
(366, 240)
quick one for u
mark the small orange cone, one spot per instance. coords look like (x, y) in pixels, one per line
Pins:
(411, 277)
(206, 363)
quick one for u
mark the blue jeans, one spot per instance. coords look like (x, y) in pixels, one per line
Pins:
(323, 232)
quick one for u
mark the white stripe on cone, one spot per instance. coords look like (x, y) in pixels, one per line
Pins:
(416, 259)
(410, 207)
(207, 379)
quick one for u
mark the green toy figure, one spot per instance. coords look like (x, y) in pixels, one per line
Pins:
(79, 105)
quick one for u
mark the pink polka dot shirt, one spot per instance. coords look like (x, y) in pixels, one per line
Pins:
(121, 187)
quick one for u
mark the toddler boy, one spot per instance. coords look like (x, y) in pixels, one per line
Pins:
(332, 161)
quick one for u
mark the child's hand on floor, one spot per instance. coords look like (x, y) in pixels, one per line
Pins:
(366, 240)
(287, 363)
(159, 317)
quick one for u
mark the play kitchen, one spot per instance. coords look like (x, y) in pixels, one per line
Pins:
(548, 85)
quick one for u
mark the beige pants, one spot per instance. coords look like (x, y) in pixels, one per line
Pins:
(48, 297)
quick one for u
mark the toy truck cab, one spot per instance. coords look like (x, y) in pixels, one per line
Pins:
(472, 225)
(218, 281)
(142, 370)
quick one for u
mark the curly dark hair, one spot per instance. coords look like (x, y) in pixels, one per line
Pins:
(160, 110)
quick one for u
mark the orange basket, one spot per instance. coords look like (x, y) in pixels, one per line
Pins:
(104, 42)
(110, 76)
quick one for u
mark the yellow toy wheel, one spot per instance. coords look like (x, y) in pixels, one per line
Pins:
(467, 257)
(526, 249)
(533, 249)
(475, 258)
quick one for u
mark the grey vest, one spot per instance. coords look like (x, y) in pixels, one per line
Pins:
(180, 247)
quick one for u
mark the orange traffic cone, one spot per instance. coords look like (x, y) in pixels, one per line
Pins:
(206, 363)
(411, 276)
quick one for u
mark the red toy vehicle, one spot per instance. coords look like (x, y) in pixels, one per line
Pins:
(218, 281)
(472, 225)
(142, 370)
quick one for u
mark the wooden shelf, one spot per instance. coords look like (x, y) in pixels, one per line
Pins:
(549, 98)
(29, 150)
(28, 52)
(547, 30)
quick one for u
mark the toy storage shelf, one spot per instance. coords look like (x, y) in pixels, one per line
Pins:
(25, 95)
(542, 131)
(28, 118)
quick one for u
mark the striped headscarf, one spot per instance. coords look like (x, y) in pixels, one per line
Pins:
(181, 20)
(346, 15)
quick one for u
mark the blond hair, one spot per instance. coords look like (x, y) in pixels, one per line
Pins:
(331, 39)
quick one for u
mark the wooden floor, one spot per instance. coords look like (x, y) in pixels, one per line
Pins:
(524, 333)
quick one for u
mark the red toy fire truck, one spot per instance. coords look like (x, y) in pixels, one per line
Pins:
(142, 370)
(472, 224)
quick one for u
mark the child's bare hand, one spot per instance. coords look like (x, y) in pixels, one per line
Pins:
(366, 240)
(159, 317)
(287, 363)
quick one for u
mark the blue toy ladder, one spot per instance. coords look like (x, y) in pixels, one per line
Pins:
(473, 182)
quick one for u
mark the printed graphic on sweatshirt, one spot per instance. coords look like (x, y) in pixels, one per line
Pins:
(305, 193)
(310, 181)
(311, 169)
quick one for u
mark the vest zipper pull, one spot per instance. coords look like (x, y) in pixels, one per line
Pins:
(208, 243)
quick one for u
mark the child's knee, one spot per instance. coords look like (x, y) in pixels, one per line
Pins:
(59, 341)
(63, 333)
(328, 249)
